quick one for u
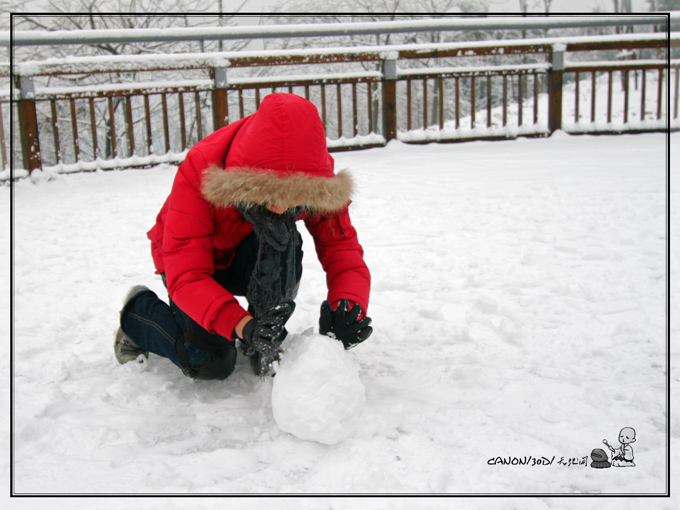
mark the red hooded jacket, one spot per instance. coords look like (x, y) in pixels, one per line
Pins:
(278, 155)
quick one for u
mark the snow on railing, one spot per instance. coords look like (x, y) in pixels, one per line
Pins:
(302, 78)
(450, 133)
(149, 87)
(111, 164)
(371, 139)
(620, 127)
(496, 70)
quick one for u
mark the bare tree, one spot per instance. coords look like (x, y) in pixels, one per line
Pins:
(94, 14)
(77, 15)
(378, 10)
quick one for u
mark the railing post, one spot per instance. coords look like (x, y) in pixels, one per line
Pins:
(220, 105)
(28, 122)
(389, 87)
(555, 81)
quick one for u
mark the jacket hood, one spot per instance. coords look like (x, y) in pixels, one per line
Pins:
(279, 156)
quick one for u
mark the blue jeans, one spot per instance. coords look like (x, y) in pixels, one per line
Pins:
(169, 332)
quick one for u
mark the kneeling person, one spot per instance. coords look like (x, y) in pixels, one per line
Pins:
(229, 228)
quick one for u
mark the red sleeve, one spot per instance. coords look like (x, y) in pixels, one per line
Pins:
(341, 257)
(188, 254)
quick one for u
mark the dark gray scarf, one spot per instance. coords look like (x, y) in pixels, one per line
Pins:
(273, 279)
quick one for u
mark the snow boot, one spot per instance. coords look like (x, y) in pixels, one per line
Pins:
(124, 348)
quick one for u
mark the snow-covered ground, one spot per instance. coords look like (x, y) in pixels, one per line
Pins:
(519, 310)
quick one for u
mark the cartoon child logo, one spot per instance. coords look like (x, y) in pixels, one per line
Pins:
(623, 456)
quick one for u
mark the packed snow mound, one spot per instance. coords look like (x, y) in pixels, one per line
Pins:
(317, 394)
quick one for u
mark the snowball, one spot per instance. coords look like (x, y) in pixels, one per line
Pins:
(317, 394)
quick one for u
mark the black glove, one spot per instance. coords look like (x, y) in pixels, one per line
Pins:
(343, 323)
(265, 334)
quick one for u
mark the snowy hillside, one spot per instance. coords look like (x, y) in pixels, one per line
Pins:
(519, 312)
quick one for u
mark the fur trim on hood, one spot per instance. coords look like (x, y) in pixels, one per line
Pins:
(241, 186)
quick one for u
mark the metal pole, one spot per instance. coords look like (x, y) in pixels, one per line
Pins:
(28, 122)
(389, 86)
(220, 105)
(219, 41)
(33, 38)
(555, 82)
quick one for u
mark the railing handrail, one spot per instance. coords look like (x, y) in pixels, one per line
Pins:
(147, 87)
(460, 23)
(172, 61)
(600, 65)
(156, 87)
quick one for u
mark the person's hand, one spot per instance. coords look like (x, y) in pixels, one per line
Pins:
(344, 324)
(265, 334)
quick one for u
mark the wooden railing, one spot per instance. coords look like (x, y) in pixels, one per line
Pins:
(626, 70)
(144, 123)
